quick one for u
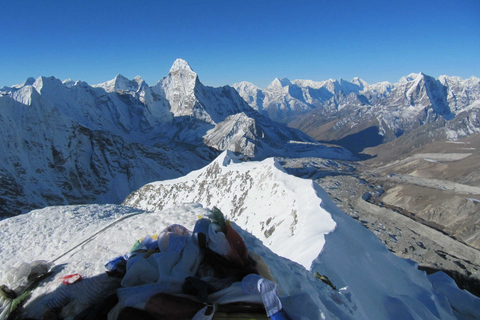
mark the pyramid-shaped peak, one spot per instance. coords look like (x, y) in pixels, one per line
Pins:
(279, 83)
(121, 83)
(46, 83)
(30, 81)
(120, 80)
(408, 78)
(360, 82)
(180, 65)
(412, 77)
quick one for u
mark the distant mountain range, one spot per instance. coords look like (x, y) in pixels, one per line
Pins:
(357, 115)
(65, 142)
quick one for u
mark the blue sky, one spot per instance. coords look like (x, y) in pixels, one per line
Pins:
(228, 41)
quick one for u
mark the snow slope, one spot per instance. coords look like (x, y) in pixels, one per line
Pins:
(258, 196)
(80, 239)
(372, 283)
(106, 231)
(296, 219)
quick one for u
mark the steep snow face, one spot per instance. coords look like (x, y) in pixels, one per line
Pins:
(64, 144)
(260, 197)
(295, 219)
(89, 106)
(252, 94)
(187, 97)
(352, 254)
(179, 89)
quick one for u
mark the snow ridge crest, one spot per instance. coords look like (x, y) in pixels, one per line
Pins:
(181, 65)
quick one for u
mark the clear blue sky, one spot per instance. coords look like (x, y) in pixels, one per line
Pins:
(228, 41)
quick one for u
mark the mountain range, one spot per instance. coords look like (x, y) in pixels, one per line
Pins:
(65, 142)
(157, 147)
(357, 115)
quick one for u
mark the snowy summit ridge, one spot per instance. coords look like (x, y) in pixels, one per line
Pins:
(294, 218)
(181, 65)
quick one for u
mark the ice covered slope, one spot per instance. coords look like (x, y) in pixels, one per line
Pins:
(295, 219)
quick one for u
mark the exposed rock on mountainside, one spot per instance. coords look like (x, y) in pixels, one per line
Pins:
(68, 142)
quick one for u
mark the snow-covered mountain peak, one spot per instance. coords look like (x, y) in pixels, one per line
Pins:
(68, 83)
(30, 81)
(290, 214)
(245, 86)
(458, 81)
(295, 219)
(471, 82)
(123, 84)
(181, 65)
(180, 77)
(179, 87)
(444, 78)
(139, 80)
(278, 83)
(474, 79)
(252, 94)
(359, 82)
(411, 77)
(47, 83)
